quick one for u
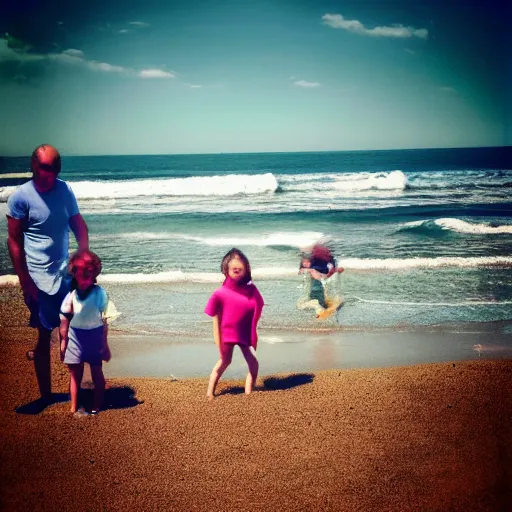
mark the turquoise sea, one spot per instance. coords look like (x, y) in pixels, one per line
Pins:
(425, 236)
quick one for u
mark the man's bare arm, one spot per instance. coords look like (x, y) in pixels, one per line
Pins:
(80, 230)
(16, 246)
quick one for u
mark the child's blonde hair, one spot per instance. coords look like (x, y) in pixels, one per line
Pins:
(89, 258)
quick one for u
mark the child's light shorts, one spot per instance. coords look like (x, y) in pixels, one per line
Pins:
(85, 346)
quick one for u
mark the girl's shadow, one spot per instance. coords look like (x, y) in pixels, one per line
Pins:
(274, 383)
(115, 398)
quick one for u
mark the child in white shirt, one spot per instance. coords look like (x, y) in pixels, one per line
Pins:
(83, 327)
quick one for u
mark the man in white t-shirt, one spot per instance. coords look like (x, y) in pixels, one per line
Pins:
(40, 214)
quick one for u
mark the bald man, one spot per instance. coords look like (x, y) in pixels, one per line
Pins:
(40, 213)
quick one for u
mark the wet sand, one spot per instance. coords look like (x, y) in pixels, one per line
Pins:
(154, 355)
(430, 437)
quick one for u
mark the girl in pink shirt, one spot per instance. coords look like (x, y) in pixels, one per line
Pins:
(236, 308)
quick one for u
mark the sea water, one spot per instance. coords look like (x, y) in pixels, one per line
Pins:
(424, 236)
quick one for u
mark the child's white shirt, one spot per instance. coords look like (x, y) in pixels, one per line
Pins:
(87, 313)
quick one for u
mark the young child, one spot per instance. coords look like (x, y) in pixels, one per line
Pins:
(236, 309)
(320, 265)
(83, 327)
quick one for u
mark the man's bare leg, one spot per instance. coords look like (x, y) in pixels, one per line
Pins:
(42, 363)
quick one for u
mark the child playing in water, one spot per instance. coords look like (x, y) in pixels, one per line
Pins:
(83, 328)
(236, 309)
(320, 265)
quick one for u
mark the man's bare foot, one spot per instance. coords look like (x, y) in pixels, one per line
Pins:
(210, 397)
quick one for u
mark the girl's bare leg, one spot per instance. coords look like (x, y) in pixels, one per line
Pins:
(226, 354)
(76, 372)
(253, 365)
(98, 380)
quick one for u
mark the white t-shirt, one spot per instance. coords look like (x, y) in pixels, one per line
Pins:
(45, 217)
(88, 313)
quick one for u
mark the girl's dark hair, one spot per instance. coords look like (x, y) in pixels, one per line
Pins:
(236, 253)
(90, 258)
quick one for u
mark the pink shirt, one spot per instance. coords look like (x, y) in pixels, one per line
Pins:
(239, 309)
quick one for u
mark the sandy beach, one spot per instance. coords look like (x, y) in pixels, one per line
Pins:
(429, 437)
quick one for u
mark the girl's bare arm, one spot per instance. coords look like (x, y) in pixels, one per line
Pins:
(216, 330)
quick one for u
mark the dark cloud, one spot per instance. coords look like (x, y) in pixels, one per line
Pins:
(33, 29)
(23, 73)
(48, 26)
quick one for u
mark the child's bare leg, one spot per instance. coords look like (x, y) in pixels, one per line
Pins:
(76, 372)
(253, 365)
(226, 354)
(98, 380)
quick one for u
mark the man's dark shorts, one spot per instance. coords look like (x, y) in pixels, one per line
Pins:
(44, 313)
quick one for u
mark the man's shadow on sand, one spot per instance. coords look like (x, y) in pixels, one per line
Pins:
(274, 383)
(115, 398)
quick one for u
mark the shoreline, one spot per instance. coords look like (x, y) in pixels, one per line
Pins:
(192, 355)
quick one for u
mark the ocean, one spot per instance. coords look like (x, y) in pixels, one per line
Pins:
(424, 236)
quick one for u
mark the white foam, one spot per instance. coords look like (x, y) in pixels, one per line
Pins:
(271, 339)
(297, 239)
(345, 182)
(175, 276)
(230, 185)
(435, 304)
(273, 273)
(479, 348)
(5, 192)
(178, 276)
(16, 175)
(469, 228)
(461, 226)
(9, 280)
(394, 180)
(445, 261)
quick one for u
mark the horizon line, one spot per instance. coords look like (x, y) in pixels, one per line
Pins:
(265, 152)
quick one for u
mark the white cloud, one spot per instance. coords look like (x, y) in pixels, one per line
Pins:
(77, 58)
(67, 58)
(139, 23)
(155, 73)
(409, 51)
(447, 89)
(107, 68)
(304, 83)
(195, 86)
(123, 31)
(74, 53)
(398, 31)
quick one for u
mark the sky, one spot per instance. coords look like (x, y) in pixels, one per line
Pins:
(213, 76)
